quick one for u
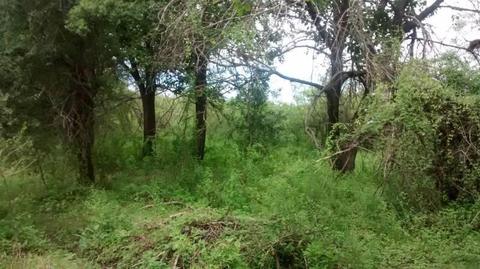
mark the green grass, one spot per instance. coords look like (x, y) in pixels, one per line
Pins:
(237, 209)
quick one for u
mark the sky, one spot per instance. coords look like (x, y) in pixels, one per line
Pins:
(303, 64)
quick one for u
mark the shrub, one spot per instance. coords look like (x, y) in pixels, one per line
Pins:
(429, 136)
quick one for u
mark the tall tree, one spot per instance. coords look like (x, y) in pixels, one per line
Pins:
(340, 28)
(208, 27)
(331, 23)
(200, 65)
(145, 51)
(66, 67)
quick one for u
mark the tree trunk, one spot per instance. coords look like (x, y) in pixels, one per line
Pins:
(147, 88)
(82, 123)
(201, 104)
(149, 121)
(333, 108)
(344, 161)
(87, 172)
(334, 90)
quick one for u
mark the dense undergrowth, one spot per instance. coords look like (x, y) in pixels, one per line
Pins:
(275, 208)
(94, 175)
(275, 203)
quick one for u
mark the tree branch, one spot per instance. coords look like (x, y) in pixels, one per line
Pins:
(427, 12)
(292, 79)
(134, 72)
(467, 49)
(315, 16)
(461, 9)
(267, 69)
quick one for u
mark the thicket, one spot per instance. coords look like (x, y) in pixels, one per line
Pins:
(427, 132)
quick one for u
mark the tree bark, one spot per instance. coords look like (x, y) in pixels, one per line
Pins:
(82, 122)
(147, 89)
(345, 160)
(333, 90)
(149, 121)
(201, 103)
(87, 171)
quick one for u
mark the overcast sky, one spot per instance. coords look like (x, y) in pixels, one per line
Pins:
(303, 64)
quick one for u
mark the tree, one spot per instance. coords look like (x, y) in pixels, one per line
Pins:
(144, 50)
(58, 64)
(208, 27)
(338, 27)
(258, 124)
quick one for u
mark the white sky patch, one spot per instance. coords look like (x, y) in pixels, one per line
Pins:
(299, 63)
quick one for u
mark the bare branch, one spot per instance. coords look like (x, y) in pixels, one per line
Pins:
(461, 9)
(292, 79)
(429, 10)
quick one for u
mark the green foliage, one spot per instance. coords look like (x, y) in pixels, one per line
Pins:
(255, 207)
(259, 123)
(15, 156)
(458, 75)
(57, 259)
(246, 211)
(428, 135)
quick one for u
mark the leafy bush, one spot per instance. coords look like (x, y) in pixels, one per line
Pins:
(430, 139)
(19, 234)
(457, 74)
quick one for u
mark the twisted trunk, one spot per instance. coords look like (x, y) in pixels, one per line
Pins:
(344, 159)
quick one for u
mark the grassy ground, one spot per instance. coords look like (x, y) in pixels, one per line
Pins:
(277, 209)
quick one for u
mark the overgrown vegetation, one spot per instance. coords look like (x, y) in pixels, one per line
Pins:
(144, 134)
(428, 136)
(237, 209)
